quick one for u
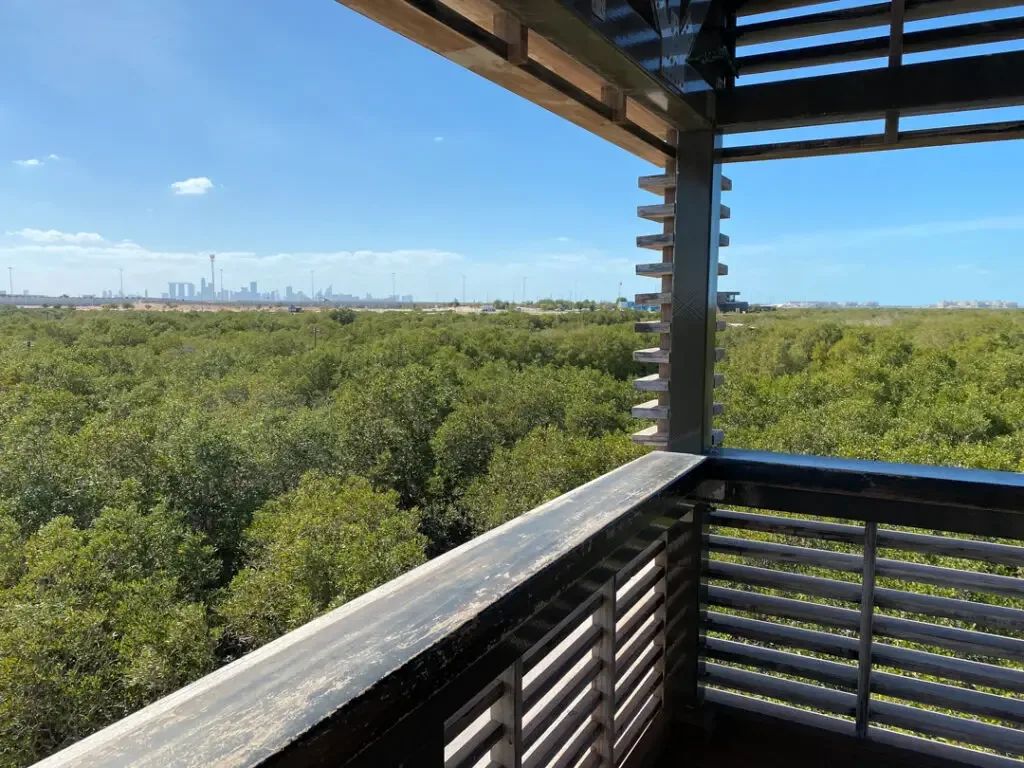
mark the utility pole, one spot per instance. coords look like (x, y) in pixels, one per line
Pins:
(524, 290)
(617, 295)
(120, 271)
(463, 289)
(222, 278)
(312, 285)
(10, 281)
(213, 287)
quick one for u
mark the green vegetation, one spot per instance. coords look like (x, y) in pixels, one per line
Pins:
(178, 488)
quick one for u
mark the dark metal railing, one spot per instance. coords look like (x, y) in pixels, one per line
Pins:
(848, 627)
(546, 642)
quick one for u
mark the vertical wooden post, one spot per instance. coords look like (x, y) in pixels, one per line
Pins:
(867, 613)
(694, 292)
(892, 117)
(684, 555)
(508, 752)
(608, 676)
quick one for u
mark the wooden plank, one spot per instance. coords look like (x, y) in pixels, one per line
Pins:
(892, 116)
(822, 699)
(651, 355)
(652, 383)
(555, 707)
(651, 436)
(726, 184)
(575, 717)
(943, 726)
(953, 697)
(655, 242)
(782, 662)
(658, 184)
(425, 643)
(723, 241)
(542, 684)
(515, 35)
(652, 327)
(473, 47)
(653, 298)
(657, 269)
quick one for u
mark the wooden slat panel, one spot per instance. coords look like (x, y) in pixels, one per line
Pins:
(824, 699)
(651, 436)
(652, 327)
(555, 707)
(658, 269)
(655, 242)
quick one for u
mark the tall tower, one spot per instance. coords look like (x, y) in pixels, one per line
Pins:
(213, 288)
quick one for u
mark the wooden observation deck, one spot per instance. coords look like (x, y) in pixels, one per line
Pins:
(654, 616)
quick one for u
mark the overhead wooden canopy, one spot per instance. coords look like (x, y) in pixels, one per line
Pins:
(631, 71)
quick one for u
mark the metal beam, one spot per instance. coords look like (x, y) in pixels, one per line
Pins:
(591, 43)
(848, 145)
(694, 292)
(983, 32)
(860, 17)
(974, 82)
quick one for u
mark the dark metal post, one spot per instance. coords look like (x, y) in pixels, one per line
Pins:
(694, 292)
(867, 613)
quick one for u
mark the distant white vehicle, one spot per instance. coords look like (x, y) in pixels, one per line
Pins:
(487, 308)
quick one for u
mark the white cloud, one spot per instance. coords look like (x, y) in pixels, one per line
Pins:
(563, 239)
(438, 139)
(54, 236)
(30, 163)
(196, 186)
(52, 156)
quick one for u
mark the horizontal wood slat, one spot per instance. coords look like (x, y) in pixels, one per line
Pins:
(651, 436)
(651, 355)
(651, 409)
(652, 383)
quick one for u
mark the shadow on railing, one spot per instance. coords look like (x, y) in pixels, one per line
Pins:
(545, 642)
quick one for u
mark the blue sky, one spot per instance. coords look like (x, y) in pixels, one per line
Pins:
(311, 138)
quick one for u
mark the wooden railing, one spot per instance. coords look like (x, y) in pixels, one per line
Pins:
(545, 642)
(663, 592)
(855, 628)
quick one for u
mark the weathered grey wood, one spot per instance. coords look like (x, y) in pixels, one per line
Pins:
(651, 355)
(784, 580)
(651, 436)
(866, 630)
(605, 685)
(556, 706)
(726, 184)
(509, 751)
(1006, 586)
(657, 184)
(652, 327)
(477, 746)
(407, 640)
(541, 685)
(726, 699)
(719, 354)
(650, 410)
(826, 699)
(653, 298)
(949, 697)
(578, 746)
(581, 613)
(636, 730)
(642, 696)
(941, 751)
(783, 662)
(963, 640)
(656, 212)
(637, 620)
(724, 212)
(640, 643)
(652, 383)
(480, 704)
(939, 665)
(655, 242)
(723, 241)
(648, 661)
(948, 727)
(658, 269)
(948, 546)
(982, 614)
(642, 586)
(553, 741)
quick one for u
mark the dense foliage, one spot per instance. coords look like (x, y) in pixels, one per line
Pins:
(177, 488)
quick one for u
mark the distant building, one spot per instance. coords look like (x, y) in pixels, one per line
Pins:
(727, 302)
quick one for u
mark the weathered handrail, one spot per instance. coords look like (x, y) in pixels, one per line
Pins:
(379, 680)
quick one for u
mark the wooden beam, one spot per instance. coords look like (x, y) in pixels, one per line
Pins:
(463, 32)
(892, 116)
(974, 82)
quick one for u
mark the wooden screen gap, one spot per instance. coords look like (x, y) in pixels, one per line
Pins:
(892, 116)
